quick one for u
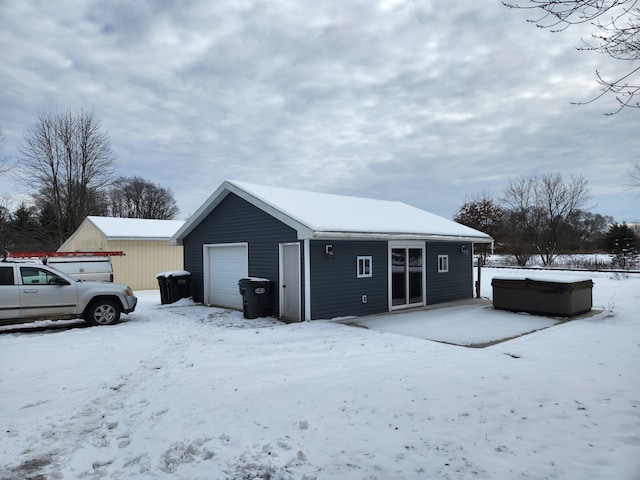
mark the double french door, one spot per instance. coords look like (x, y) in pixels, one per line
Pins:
(407, 276)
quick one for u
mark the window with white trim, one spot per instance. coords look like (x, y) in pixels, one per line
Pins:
(443, 263)
(364, 267)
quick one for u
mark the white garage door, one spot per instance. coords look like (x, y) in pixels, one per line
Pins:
(227, 264)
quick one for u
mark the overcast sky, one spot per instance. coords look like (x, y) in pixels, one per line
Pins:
(426, 102)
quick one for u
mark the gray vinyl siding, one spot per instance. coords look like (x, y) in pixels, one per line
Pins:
(233, 221)
(335, 289)
(457, 283)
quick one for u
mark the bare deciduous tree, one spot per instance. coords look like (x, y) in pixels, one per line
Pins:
(587, 230)
(67, 161)
(137, 198)
(543, 207)
(617, 34)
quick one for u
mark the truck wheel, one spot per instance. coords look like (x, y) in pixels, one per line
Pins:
(103, 312)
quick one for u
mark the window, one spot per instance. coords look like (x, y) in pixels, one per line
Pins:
(36, 276)
(6, 275)
(443, 263)
(364, 267)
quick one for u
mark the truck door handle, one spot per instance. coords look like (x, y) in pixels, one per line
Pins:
(30, 290)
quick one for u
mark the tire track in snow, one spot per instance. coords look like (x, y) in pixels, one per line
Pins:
(95, 442)
(95, 429)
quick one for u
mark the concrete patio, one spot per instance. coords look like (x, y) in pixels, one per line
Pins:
(470, 323)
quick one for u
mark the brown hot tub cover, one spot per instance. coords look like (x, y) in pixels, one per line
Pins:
(555, 297)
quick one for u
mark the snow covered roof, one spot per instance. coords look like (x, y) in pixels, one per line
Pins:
(135, 228)
(325, 216)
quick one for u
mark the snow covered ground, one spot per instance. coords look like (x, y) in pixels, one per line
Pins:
(184, 391)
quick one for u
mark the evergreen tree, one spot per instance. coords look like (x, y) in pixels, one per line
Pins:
(623, 244)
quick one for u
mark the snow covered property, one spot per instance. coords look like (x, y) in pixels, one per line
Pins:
(185, 391)
(326, 255)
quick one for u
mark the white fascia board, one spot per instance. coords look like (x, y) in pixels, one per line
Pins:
(396, 236)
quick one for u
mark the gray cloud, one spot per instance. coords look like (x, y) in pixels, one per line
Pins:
(403, 100)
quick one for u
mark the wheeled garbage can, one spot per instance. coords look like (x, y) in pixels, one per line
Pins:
(164, 292)
(179, 284)
(256, 297)
(174, 286)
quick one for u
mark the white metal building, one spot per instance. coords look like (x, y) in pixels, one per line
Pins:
(145, 243)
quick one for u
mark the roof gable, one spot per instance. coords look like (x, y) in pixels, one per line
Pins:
(323, 215)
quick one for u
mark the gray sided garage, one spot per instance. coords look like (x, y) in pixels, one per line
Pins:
(326, 255)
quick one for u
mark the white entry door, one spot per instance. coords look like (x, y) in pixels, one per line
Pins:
(225, 264)
(290, 281)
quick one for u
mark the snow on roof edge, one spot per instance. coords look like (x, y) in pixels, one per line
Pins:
(314, 214)
(342, 213)
(118, 228)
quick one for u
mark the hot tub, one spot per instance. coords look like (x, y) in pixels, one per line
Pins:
(553, 297)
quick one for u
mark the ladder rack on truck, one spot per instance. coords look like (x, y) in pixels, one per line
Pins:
(9, 255)
(83, 265)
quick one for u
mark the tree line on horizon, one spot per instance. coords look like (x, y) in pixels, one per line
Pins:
(67, 163)
(543, 216)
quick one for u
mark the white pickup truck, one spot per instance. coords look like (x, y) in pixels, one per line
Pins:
(30, 292)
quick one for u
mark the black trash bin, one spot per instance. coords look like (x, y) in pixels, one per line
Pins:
(256, 297)
(179, 285)
(164, 292)
(174, 286)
